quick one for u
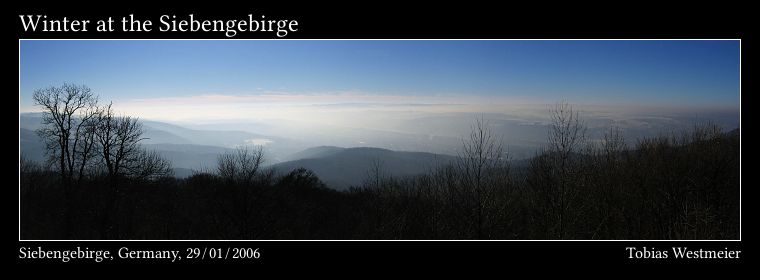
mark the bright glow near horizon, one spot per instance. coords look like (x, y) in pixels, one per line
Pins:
(361, 83)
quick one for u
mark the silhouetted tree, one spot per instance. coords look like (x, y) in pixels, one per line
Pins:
(241, 165)
(149, 165)
(555, 173)
(484, 168)
(68, 128)
(118, 139)
(301, 178)
(375, 175)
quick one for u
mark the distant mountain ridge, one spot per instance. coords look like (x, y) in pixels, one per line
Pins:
(186, 148)
(315, 152)
(341, 168)
(196, 150)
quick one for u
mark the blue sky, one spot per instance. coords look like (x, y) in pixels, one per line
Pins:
(665, 73)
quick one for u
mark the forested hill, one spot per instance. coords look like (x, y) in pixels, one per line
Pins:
(343, 167)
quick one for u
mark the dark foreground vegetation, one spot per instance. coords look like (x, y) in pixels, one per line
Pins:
(681, 186)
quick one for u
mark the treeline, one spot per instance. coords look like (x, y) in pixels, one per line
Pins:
(677, 187)
(683, 186)
(680, 186)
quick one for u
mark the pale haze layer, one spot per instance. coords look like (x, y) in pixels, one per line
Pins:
(384, 93)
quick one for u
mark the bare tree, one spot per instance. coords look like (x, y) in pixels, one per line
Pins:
(567, 134)
(567, 131)
(118, 139)
(27, 166)
(147, 165)
(613, 142)
(483, 166)
(241, 198)
(241, 165)
(68, 132)
(68, 128)
(376, 174)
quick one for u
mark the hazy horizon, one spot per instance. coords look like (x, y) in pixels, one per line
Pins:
(399, 95)
(290, 88)
(146, 74)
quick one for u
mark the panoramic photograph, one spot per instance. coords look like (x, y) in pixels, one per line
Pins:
(379, 140)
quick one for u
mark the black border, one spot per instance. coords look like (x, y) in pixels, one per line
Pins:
(441, 21)
(400, 21)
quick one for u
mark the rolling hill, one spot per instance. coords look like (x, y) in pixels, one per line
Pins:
(185, 148)
(341, 168)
